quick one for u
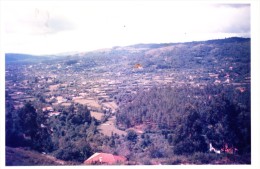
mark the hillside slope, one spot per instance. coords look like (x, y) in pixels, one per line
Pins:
(22, 157)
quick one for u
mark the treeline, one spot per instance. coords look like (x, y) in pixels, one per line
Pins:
(24, 129)
(67, 137)
(191, 118)
(179, 123)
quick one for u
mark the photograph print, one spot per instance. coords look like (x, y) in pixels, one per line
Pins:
(127, 83)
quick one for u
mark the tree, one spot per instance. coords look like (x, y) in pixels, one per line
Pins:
(237, 129)
(31, 125)
(146, 141)
(28, 120)
(131, 136)
(84, 112)
(84, 149)
(13, 134)
(74, 150)
(189, 134)
(43, 141)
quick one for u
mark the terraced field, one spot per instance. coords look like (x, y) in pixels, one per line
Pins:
(108, 127)
(96, 115)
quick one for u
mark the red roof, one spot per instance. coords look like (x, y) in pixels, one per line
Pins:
(105, 158)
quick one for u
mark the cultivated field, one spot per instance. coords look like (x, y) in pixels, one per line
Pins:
(53, 87)
(111, 105)
(108, 127)
(96, 115)
(89, 102)
(66, 104)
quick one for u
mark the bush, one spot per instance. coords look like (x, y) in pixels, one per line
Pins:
(204, 158)
(131, 135)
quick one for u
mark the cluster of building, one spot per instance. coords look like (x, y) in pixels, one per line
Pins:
(97, 83)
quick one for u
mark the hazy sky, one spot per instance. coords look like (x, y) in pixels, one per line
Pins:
(47, 27)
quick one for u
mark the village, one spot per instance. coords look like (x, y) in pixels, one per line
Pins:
(64, 87)
(60, 84)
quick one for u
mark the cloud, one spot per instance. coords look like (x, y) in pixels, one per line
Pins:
(235, 19)
(233, 5)
(36, 21)
(57, 24)
(92, 25)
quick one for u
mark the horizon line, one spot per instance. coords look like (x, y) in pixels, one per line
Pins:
(118, 46)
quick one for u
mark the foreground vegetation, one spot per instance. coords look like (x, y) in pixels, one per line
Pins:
(25, 157)
(177, 126)
(189, 119)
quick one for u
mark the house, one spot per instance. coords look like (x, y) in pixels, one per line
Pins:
(105, 158)
(54, 114)
(47, 109)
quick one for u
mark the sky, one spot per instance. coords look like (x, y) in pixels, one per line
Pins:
(50, 27)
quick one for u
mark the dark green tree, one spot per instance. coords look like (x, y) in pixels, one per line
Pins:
(131, 136)
(28, 120)
(13, 133)
(32, 126)
(189, 134)
(43, 141)
(237, 127)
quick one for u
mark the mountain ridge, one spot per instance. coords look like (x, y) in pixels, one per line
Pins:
(13, 57)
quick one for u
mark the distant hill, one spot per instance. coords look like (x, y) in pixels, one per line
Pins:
(229, 40)
(22, 157)
(17, 57)
(14, 57)
(214, 41)
(25, 58)
(210, 55)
